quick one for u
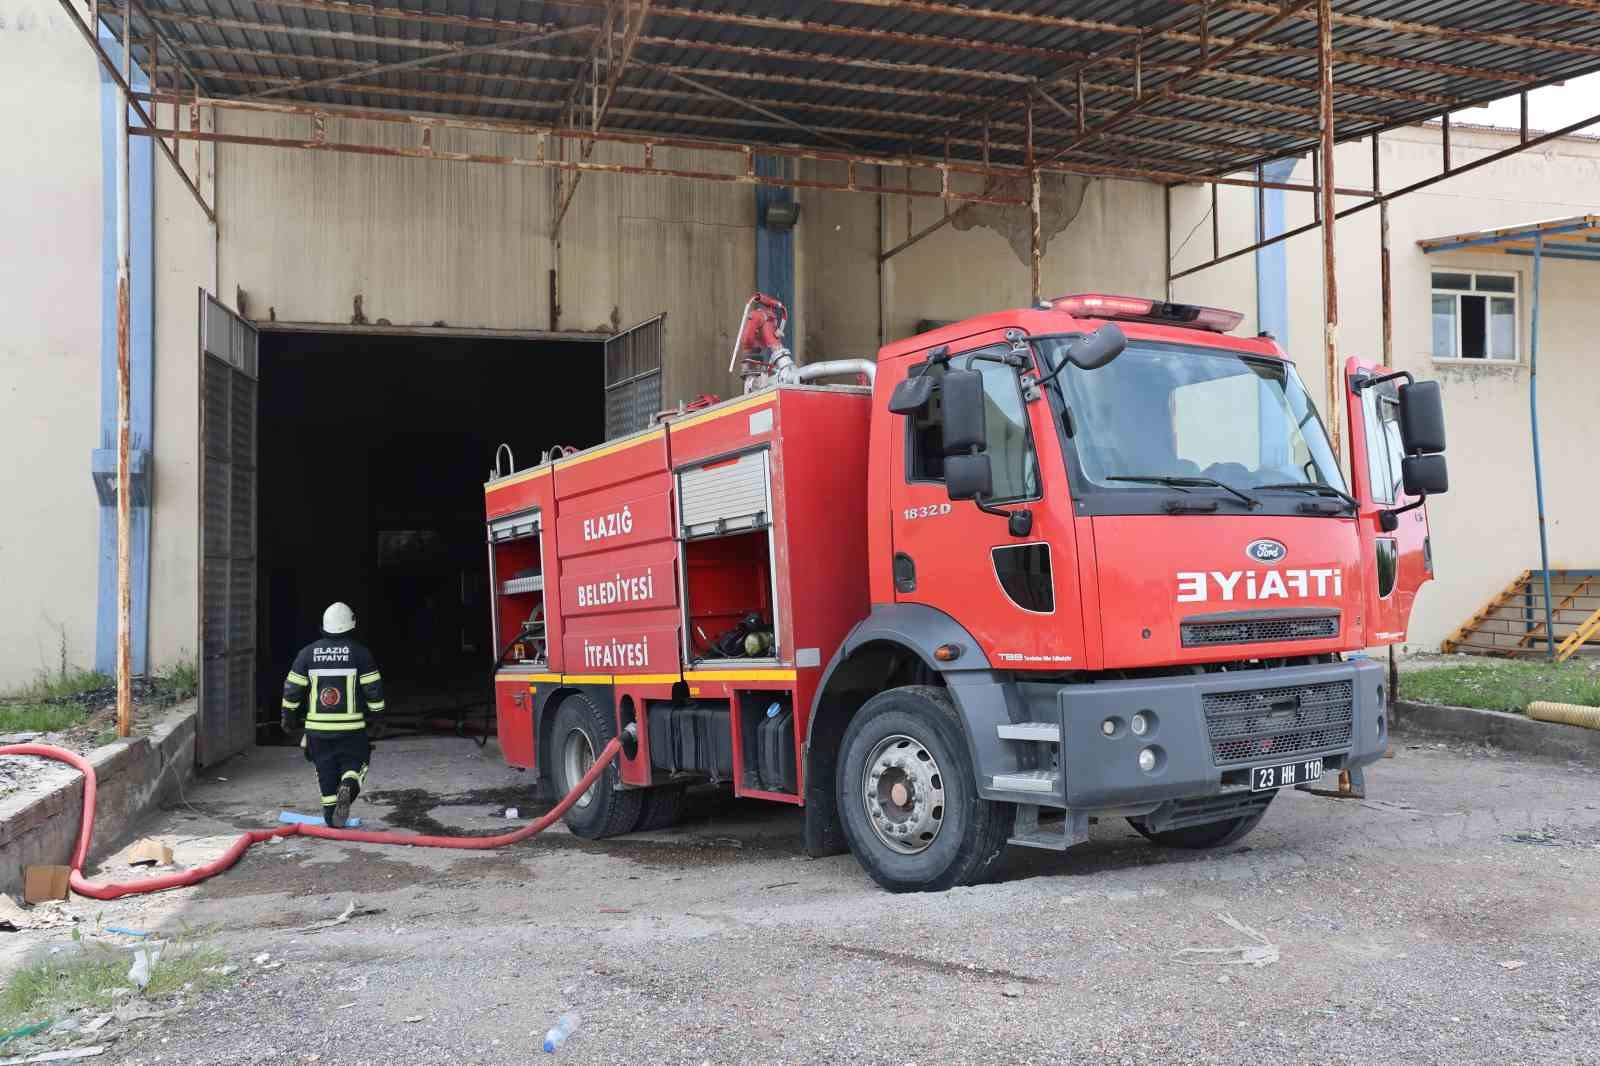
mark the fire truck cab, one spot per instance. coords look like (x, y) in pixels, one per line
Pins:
(1112, 569)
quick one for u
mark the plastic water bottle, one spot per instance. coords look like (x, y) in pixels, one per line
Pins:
(565, 1026)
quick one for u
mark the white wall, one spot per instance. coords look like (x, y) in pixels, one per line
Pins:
(1484, 531)
(50, 215)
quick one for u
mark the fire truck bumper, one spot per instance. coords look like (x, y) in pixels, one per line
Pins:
(1235, 733)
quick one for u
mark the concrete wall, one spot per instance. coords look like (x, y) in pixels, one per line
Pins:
(1484, 530)
(39, 822)
(50, 213)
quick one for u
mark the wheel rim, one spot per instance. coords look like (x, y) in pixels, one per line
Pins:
(903, 793)
(577, 755)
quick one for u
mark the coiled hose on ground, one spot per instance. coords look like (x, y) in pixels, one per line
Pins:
(195, 875)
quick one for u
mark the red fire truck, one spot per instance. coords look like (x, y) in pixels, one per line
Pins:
(1094, 558)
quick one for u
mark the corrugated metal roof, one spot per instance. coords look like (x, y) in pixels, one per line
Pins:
(894, 77)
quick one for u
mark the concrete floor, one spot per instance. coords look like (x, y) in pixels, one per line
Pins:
(1398, 923)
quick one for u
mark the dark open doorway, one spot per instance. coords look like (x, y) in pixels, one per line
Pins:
(373, 453)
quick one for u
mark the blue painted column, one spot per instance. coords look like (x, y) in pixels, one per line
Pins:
(1272, 262)
(141, 320)
(775, 248)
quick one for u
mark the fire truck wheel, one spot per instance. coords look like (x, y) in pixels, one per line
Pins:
(606, 810)
(1199, 837)
(663, 806)
(908, 795)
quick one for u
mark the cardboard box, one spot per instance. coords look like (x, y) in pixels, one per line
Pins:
(148, 852)
(42, 883)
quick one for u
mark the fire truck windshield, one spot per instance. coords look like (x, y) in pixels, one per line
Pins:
(1169, 411)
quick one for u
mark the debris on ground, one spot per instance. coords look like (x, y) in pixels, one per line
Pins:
(42, 883)
(350, 911)
(150, 852)
(13, 918)
(58, 1056)
(122, 930)
(1262, 952)
(143, 960)
(1513, 964)
(511, 812)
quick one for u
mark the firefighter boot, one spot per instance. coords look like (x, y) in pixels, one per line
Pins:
(341, 808)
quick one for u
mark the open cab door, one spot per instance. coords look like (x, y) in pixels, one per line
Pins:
(1396, 462)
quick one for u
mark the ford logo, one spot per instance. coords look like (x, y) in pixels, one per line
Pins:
(1266, 550)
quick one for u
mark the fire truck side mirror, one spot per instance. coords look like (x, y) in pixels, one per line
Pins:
(968, 477)
(1423, 475)
(911, 395)
(1421, 418)
(1098, 348)
(965, 427)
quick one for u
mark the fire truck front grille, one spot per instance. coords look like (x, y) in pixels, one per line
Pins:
(1258, 630)
(1279, 723)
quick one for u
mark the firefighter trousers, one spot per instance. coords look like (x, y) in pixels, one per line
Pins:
(338, 757)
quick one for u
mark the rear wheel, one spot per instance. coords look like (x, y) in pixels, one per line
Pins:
(663, 806)
(1200, 837)
(606, 809)
(908, 795)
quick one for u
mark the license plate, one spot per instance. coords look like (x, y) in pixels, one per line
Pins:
(1267, 778)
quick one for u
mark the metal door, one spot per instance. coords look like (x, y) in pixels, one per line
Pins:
(228, 362)
(633, 377)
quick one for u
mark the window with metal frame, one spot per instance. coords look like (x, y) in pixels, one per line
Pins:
(1474, 315)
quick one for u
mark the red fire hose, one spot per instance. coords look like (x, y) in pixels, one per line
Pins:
(197, 874)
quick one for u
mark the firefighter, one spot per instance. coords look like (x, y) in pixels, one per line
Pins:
(341, 678)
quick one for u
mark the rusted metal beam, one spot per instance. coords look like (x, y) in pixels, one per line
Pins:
(1330, 278)
(856, 88)
(1444, 139)
(1175, 169)
(432, 151)
(1416, 29)
(1034, 229)
(616, 66)
(491, 125)
(122, 84)
(453, 53)
(1416, 186)
(1197, 70)
(124, 400)
(1203, 39)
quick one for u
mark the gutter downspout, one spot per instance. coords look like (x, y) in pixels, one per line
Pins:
(1538, 462)
(141, 378)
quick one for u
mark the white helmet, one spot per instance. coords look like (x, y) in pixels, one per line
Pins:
(338, 618)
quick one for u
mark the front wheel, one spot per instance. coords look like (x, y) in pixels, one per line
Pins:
(580, 731)
(908, 795)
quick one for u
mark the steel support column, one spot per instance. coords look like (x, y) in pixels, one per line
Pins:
(124, 406)
(1330, 281)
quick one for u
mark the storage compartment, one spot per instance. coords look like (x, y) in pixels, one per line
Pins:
(513, 706)
(728, 580)
(518, 582)
(766, 727)
(691, 738)
(724, 495)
